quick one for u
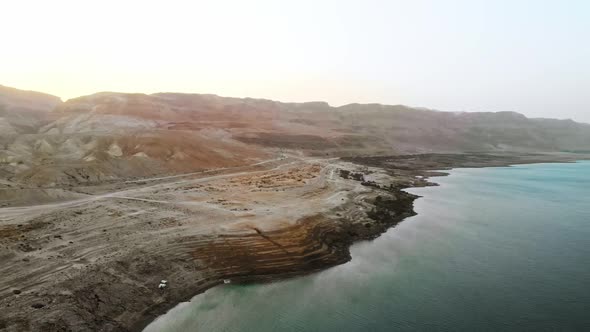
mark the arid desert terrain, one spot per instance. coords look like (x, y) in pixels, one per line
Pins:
(103, 196)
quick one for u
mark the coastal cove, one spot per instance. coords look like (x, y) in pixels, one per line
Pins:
(504, 248)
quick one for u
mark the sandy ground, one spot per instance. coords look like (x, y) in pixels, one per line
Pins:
(93, 261)
(47, 248)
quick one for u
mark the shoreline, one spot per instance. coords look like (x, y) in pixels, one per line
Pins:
(120, 294)
(427, 175)
(339, 241)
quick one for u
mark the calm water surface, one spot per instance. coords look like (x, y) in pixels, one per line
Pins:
(493, 249)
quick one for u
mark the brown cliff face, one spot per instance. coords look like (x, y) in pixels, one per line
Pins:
(311, 244)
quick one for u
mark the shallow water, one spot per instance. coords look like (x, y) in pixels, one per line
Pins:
(493, 249)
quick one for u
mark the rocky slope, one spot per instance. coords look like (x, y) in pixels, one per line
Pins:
(109, 136)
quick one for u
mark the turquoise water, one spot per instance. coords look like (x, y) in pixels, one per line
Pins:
(493, 249)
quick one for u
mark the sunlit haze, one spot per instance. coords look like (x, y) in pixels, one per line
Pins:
(527, 56)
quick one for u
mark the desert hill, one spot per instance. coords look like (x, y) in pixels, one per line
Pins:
(22, 112)
(109, 135)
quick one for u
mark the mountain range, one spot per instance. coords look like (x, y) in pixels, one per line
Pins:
(109, 135)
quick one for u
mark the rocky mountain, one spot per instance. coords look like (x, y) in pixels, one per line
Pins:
(111, 136)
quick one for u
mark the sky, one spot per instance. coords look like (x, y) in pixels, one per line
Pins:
(531, 57)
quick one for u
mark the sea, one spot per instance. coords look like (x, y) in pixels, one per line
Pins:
(491, 249)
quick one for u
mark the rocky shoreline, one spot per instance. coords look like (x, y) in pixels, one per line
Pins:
(311, 245)
(120, 293)
(386, 212)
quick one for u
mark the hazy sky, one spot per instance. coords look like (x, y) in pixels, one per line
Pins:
(526, 56)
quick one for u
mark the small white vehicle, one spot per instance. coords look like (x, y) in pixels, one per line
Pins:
(163, 284)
